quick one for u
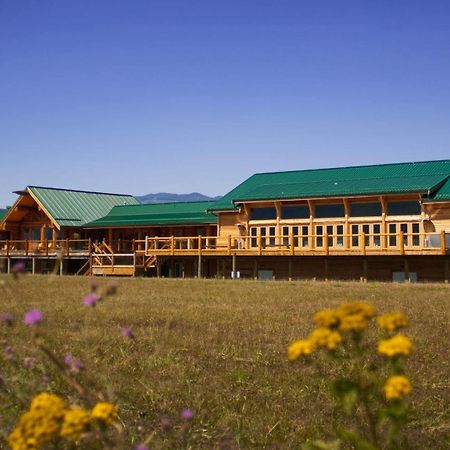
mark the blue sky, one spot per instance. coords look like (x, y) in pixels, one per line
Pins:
(180, 96)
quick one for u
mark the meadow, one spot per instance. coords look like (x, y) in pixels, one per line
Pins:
(218, 347)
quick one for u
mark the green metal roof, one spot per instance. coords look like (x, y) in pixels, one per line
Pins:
(442, 194)
(3, 213)
(426, 177)
(71, 208)
(154, 214)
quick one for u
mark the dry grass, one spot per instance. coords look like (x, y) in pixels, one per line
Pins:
(219, 348)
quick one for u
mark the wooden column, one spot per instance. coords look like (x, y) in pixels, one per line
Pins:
(346, 224)
(199, 265)
(158, 267)
(447, 270)
(365, 269)
(290, 269)
(384, 239)
(233, 263)
(311, 225)
(406, 269)
(255, 269)
(278, 226)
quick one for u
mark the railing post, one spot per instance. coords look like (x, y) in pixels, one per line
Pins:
(229, 244)
(46, 247)
(325, 244)
(26, 247)
(132, 246)
(291, 244)
(68, 248)
(402, 242)
(146, 245)
(199, 245)
(172, 245)
(362, 236)
(443, 242)
(259, 245)
(7, 247)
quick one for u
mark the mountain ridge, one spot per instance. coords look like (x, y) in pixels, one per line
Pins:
(163, 197)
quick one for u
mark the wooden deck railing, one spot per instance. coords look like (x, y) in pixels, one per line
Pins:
(311, 244)
(283, 245)
(64, 247)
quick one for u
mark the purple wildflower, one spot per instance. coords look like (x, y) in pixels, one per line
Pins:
(7, 318)
(141, 447)
(9, 353)
(91, 300)
(29, 362)
(187, 414)
(93, 285)
(18, 267)
(111, 288)
(32, 317)
(45, 379)
(74, 364)
(127, 332)
(165, 423)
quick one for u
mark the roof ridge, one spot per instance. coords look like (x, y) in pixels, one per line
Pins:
(354, 167)
(167, 203)
(80, 190)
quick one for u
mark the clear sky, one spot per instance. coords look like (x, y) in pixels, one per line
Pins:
(145, 96)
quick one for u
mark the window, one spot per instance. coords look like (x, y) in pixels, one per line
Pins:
(319, 238)
(371, 231)
(405, 208)
(295, 212)
(365, 209)
(263, 214)
(323, 211)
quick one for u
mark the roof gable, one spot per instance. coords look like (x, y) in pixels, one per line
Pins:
(70, 208)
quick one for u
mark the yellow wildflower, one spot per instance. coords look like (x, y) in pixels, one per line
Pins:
(358, 308)
(76, 422)
(303, 347)
(40, 424)
(353, 322)
(326, 318)
(397, 387)
(398, 345)
(392, 321)
(106, 412)
(323, 337)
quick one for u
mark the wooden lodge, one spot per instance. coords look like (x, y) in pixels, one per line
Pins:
(383, 222)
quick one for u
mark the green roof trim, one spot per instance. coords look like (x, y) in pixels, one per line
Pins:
(426, 177)
(442, 194)
(70, 208)
(155, 214)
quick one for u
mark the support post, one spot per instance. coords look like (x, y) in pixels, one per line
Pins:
(234, 266)
(8, 265)
(365, 270)
(447, 270)
(290, 269)
(326, 269)
(158, 267)
(443, 242)
(402, 243)
(363, 243)
(33, 266)
(406, 269)
(199, 265)
(255, 269)
(60, 266)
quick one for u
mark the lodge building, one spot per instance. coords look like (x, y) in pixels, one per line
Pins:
(384, 222)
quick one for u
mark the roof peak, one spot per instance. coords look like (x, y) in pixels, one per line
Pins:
(79, 190)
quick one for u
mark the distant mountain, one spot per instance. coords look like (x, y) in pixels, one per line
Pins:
(162, 197)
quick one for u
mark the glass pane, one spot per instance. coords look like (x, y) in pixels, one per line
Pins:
(295, 212)
(323, 211)
(272, 239)
(263, 214)
(365, 209)
(403, 208)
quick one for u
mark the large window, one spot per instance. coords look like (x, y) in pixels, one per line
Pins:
(324, 211)
(268, 213)
(295, 212)
(405, 208)
(365, 209)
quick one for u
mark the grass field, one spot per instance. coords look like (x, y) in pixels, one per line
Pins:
(219, 348)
